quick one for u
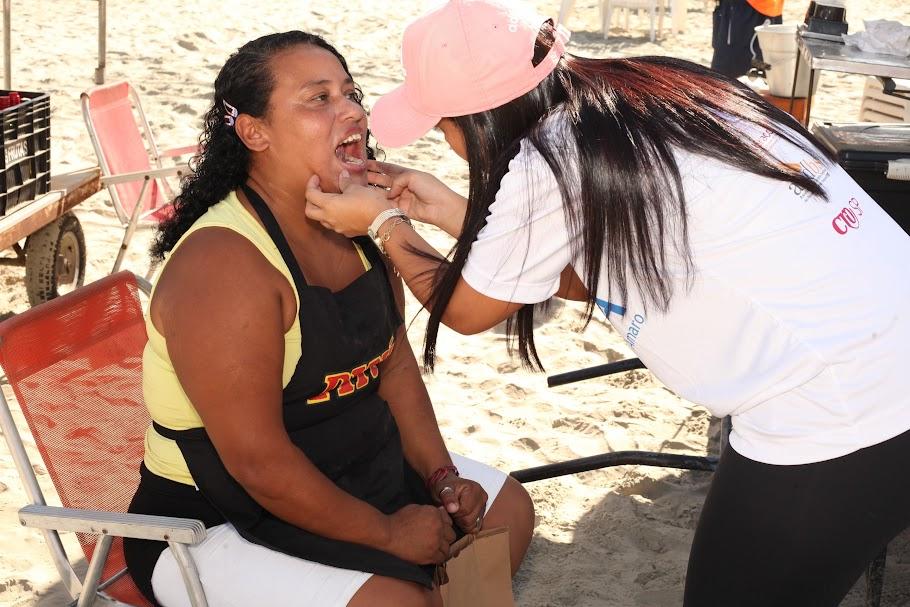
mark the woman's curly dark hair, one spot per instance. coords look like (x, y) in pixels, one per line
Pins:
(222, 164)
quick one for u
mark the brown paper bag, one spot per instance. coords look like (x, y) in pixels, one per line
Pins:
(480, 576)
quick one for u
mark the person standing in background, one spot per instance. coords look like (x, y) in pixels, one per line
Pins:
(734, 26)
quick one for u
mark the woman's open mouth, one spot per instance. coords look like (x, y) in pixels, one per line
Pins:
(351, 152)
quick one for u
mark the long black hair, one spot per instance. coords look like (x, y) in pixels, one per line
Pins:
(245, 82)
(626, 201)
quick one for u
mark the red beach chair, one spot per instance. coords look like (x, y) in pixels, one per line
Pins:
(75, 366)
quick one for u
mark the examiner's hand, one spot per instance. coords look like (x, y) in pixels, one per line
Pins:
(421, 195)
(420, 534)
(349, 213)
(464, 500)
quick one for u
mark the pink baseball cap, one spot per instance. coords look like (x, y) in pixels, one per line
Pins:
(465, 57)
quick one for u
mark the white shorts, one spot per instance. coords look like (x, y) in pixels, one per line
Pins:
(238, 573)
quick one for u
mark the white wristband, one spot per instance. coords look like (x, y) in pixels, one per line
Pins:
(373, 230)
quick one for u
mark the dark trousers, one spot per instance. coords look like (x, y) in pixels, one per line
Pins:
(734, 25)
(796, 536)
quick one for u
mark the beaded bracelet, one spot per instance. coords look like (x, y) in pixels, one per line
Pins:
(439, 474)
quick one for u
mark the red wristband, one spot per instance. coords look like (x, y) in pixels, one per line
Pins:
(439, 474)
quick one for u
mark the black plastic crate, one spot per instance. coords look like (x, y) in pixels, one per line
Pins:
(25, 140)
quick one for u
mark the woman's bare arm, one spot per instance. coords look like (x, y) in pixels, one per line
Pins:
(403, 389)
(224, 328)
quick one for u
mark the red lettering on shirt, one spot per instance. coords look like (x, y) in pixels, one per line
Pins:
(348, 382)
(360, 376)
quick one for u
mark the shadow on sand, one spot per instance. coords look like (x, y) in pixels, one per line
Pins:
(592, 570)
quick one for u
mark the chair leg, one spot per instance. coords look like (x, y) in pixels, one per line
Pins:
(30, 483)
(190, 574)
(565, 9)
(607, 13)
(144, 285)
(131, 227)
(652, 23)
(875, 579)
(93, 575)
(151, 271)
(660, 18)
(726, 426)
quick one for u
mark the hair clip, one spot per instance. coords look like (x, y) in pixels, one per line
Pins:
(230, 116)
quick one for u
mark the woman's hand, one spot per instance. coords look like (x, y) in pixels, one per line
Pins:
(422, 196)
(349, 213)
(420, 534)
(464, 500)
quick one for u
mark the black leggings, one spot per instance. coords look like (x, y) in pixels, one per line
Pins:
(781, 536)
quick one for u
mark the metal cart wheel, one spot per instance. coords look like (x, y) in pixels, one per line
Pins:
(54, 260)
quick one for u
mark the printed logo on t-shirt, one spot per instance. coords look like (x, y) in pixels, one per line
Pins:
(814, 170)
(635, 329)
(346, 383)
(766, 138)
(848, 218)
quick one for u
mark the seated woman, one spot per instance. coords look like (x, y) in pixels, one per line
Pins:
(288, 410)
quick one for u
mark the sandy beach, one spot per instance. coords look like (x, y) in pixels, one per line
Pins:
(618, 537)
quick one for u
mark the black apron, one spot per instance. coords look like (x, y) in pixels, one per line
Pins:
(333, 413)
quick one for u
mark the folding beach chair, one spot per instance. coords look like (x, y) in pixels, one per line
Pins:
(132, 167)
(875, 572)
(618, 458)
(654, 8)
(74, 364)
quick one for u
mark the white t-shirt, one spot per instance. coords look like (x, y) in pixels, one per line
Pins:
(795, 321)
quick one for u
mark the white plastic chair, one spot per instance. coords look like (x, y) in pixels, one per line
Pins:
(654, 7)
(565, 9)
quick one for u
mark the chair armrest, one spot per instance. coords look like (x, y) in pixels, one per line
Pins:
(118, 524)
(177, 170)
(144, 284)
(174, 152)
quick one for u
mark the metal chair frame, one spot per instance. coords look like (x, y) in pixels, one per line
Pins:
(158, 172)
(179, 533)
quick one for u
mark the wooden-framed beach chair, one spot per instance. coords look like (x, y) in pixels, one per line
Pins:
(132, 166)
(74, 364)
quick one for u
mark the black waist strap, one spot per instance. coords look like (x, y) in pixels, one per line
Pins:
(189, 434)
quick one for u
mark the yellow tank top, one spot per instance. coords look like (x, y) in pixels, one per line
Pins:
(164, 396)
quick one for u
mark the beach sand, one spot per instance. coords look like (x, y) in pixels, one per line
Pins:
(618, 537)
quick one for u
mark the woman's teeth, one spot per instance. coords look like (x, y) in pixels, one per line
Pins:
(347, 158)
